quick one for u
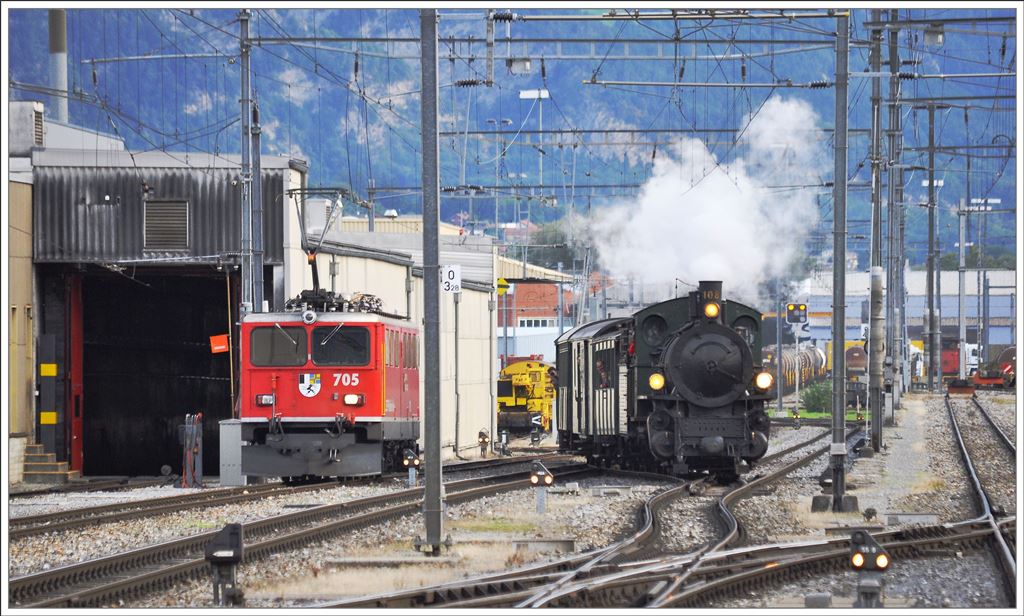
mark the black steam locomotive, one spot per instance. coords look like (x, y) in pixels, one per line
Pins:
(677, 388)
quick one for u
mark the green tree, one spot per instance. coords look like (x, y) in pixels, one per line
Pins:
(550, 246)
(817, 398)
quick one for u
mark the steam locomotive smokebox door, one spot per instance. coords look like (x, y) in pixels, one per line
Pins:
(710, 366)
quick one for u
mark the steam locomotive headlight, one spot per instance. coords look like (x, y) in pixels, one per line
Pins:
(711, 310)
(764, 381)
(264, 399)
(656, 381)
(354, 399)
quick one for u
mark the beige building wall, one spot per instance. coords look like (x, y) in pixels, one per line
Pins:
(477, 325)
(21, 341)
(474, 368)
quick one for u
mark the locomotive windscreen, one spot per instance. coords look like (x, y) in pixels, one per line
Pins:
(341, 345)
(278, 346)
(505, 388)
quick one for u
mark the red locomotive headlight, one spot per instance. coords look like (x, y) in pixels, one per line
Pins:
(354, 399)
(264, 399)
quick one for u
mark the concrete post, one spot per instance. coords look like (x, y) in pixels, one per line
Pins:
(432, 500)
(838, 450)
(246, 150)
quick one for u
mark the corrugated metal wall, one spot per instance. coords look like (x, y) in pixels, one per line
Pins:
(95, 214)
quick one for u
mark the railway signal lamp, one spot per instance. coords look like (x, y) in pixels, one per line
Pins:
(796, 313)
(866, 554)
(224, 553)
(870, 560)
(541, 476)
(411, 461)
(484, 441)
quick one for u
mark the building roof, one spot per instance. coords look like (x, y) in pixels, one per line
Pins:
(512, 269)
(475, 253)
(401, 224)
(53, 157)
(859, 283)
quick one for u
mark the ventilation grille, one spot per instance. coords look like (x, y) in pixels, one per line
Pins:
(166, 225)
(37, 129)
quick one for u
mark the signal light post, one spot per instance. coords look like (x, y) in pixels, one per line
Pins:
(797, 313)
(541, 479)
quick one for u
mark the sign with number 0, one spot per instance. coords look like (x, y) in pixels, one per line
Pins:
(451, 278)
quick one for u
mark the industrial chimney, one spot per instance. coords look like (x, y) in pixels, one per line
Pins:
(59, 60)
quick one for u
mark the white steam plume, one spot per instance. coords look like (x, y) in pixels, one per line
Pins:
(696, 219)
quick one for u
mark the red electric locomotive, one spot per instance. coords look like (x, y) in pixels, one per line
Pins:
(330, 388)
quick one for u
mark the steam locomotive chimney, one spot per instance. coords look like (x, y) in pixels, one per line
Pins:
(708, 292)
(59, 60)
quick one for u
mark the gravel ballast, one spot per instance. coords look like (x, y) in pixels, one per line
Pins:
(482, 531)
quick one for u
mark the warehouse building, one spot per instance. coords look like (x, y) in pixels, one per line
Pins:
(388, 262)
(122, 267)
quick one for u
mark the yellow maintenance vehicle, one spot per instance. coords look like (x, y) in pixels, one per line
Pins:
(526, 395)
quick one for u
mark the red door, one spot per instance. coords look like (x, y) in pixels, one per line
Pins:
(74, 394)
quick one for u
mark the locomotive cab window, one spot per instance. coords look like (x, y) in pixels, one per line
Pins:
(341, 345)
(278, 346)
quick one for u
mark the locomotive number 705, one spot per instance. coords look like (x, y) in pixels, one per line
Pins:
(346, 378)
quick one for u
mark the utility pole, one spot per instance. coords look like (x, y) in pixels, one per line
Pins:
(246, 256)
(561, 302)
(876, 322)
(837, 458)
(778, 349)
(371, 192)
(432, 499)
(894, 293)
(929, 320)
(256, 220)
(961, 319)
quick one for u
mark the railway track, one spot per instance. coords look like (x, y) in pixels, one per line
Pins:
(990, 474)
(28, 526)
(104, 581)
(763, 567)
(94, 486)
(547, 584)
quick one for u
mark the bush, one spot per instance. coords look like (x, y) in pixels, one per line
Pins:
(817, 398)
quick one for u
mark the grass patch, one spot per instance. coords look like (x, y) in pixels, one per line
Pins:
(933, 484)
(496, 525)
(204, 524)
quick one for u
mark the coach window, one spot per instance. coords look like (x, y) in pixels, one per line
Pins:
(278, 346)
(341, 345)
